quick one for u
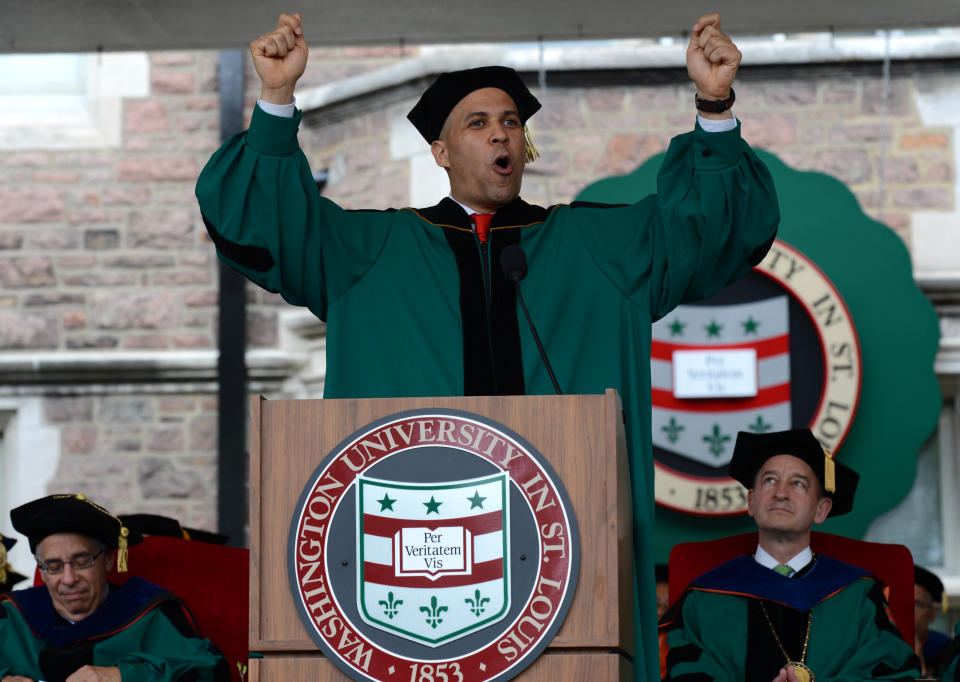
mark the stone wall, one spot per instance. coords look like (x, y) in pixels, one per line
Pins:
(150, 453)
(105, 271)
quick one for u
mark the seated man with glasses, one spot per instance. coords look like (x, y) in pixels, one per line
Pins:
(78, 627)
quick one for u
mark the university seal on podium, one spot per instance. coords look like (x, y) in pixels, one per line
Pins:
(433, 545)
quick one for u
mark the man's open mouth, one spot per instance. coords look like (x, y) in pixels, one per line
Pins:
(502, 163)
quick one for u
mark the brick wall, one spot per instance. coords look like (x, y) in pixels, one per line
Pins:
(103, 252)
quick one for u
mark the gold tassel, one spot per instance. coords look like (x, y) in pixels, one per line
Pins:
(3, 562)
(530, 149)
(122, 550)
(943, 602)
(124, 531)
(829, 472)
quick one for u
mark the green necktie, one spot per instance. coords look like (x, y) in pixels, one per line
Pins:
(783, 570)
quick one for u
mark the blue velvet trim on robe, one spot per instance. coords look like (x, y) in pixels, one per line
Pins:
(744, 576)
(122, 606)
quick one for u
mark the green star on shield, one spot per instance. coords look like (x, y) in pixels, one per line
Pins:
(476, 501)
(676, 328)
(433, 506)
(713, 329)
(750, 326)
(386, 502)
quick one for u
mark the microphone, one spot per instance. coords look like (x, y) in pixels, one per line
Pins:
(513, 264)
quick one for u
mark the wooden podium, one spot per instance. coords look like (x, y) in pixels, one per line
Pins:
(581, 436)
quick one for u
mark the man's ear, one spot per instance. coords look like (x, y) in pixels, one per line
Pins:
(439, 150)
(824, 505)
(750, 502)
(111, 555)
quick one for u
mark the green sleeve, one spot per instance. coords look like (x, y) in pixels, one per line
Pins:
(19, 649)
(692, 629)
(950, 672)
(713, 217)
(879, 652)
(263, 211)
(153, 650)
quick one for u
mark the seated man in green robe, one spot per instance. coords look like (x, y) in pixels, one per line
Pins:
(80, 628)
(952, 656)
(415, 300)
(931, 644)
(785, 614)
(8, 577)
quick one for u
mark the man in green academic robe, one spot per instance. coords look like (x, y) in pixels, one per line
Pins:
(414, 299)
(785, 614)
(951, 673)
(77, 627)
(8, 577)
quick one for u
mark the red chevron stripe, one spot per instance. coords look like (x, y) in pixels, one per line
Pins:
(775, 345)
(388, 527)
(765, 397)
(384, 575)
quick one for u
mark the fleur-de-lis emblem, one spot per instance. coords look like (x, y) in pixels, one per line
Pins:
(673, 430)
(476, 604)
(717, 440)
(391, 607)
(760, 426)
(433, 612)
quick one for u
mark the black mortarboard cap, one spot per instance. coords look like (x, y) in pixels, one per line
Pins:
(73, 514)
(839, 481)
(155, 524)
(8, 577)
(436, 103)
(929, 581)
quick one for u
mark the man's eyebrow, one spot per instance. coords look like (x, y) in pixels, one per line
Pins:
(72, 556)
(483, 114)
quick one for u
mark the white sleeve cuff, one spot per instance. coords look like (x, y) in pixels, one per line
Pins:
(285, 110)
(713, 126)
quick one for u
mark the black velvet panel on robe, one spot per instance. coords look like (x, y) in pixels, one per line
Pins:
(488, 302)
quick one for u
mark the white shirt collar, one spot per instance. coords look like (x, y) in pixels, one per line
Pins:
(466, 208)
(797, 563)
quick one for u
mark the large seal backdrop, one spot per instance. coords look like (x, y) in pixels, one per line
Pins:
(433, 545)
(842, 334)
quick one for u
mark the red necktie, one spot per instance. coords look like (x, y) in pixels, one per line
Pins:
(482, 221)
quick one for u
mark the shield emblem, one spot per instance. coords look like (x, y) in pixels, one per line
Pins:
(705, 429)
(433, 558)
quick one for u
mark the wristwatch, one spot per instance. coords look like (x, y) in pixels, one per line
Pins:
(714, 106)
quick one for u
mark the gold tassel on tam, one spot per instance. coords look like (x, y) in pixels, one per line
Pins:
(3, 563)
(829, 472)
(530, 149)
(122, 550)
(124, 531)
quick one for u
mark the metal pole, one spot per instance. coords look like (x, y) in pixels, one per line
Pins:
(232, 459)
